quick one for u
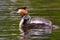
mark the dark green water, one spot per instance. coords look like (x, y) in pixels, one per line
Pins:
(9, 22)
